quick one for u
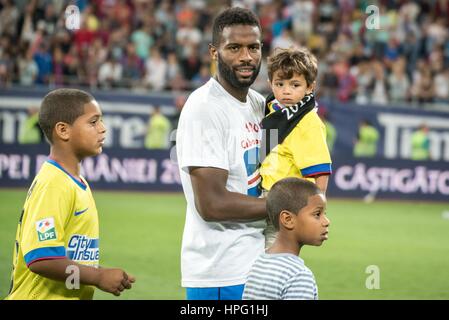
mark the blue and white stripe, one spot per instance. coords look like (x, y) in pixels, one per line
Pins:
(280, 276)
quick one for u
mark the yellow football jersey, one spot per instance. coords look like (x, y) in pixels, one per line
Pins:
(302, 154)
(59, 219)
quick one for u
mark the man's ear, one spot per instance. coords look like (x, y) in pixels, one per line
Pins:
(287, 219)
(213, 52)
(62, 131)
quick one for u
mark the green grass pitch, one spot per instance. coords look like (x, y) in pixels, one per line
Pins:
(141, 232)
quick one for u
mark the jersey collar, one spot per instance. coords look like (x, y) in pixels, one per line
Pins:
(80, 183)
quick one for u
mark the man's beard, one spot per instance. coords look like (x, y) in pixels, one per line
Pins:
(230, 75)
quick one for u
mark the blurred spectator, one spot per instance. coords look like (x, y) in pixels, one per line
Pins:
(302, 15)
(122, 13)
(158, 131)
(346, 81)
(83, 38)
(327, 18)
(142, 40)
(166, 16)
(191, 64)
(27, 69)
(378, 86)
(391, 53)
(156, 71)
(8, 18)
(327, 81)
(50, 19)
(201, 77)
(71, 66)
(436, 32)
(44, 61)
(441, 86)
(5, 68)
(366, 142)
(133, 66)
(27, 24)
(363, 74)
(421, 144)
(96, 55)
(188, 37)
(284, 40)
(173, 68)
(29, 131)
(398, 82)
(110, 73)
(179, 83)
(379, 38)
(423, 90)
(436, 59)
(58, 67)
(410, 50)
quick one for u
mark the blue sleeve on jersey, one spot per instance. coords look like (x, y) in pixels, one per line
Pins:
(44, 254)
(324, 168)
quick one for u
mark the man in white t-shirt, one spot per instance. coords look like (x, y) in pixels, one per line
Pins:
(218, 141)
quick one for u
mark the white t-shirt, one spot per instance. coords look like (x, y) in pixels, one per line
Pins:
(217, 130)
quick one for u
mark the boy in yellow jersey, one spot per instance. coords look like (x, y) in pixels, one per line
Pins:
(56, 252)
(295, 136)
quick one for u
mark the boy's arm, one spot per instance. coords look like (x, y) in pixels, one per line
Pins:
(321, 181)
(215, 203)
(310, 151)
(110, 280)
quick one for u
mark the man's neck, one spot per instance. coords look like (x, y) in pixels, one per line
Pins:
(238, 93)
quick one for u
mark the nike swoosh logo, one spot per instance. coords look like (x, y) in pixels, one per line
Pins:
(77, 213)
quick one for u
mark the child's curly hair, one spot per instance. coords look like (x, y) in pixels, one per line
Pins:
(291, 61)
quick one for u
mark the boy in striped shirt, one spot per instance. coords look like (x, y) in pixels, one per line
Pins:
(297, 209)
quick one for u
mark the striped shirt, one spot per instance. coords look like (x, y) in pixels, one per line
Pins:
(281, 276)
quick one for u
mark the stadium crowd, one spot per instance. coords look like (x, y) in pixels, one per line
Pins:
(163, 45)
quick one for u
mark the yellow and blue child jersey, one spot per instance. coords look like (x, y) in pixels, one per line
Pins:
(59, 220)
(302, 154)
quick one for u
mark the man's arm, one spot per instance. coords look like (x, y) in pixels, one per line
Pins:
(110, 280)
(215, 203)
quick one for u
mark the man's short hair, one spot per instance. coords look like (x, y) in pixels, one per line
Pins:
(61, 105)
(289, 194)
(230, 17)
(291, 61)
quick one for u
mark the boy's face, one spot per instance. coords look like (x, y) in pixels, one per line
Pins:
(289, 91)
(87, 133)
(311, 224)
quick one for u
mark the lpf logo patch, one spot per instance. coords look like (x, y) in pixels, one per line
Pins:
(46, 229)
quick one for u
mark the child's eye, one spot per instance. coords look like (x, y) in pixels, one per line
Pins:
(279, 84)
